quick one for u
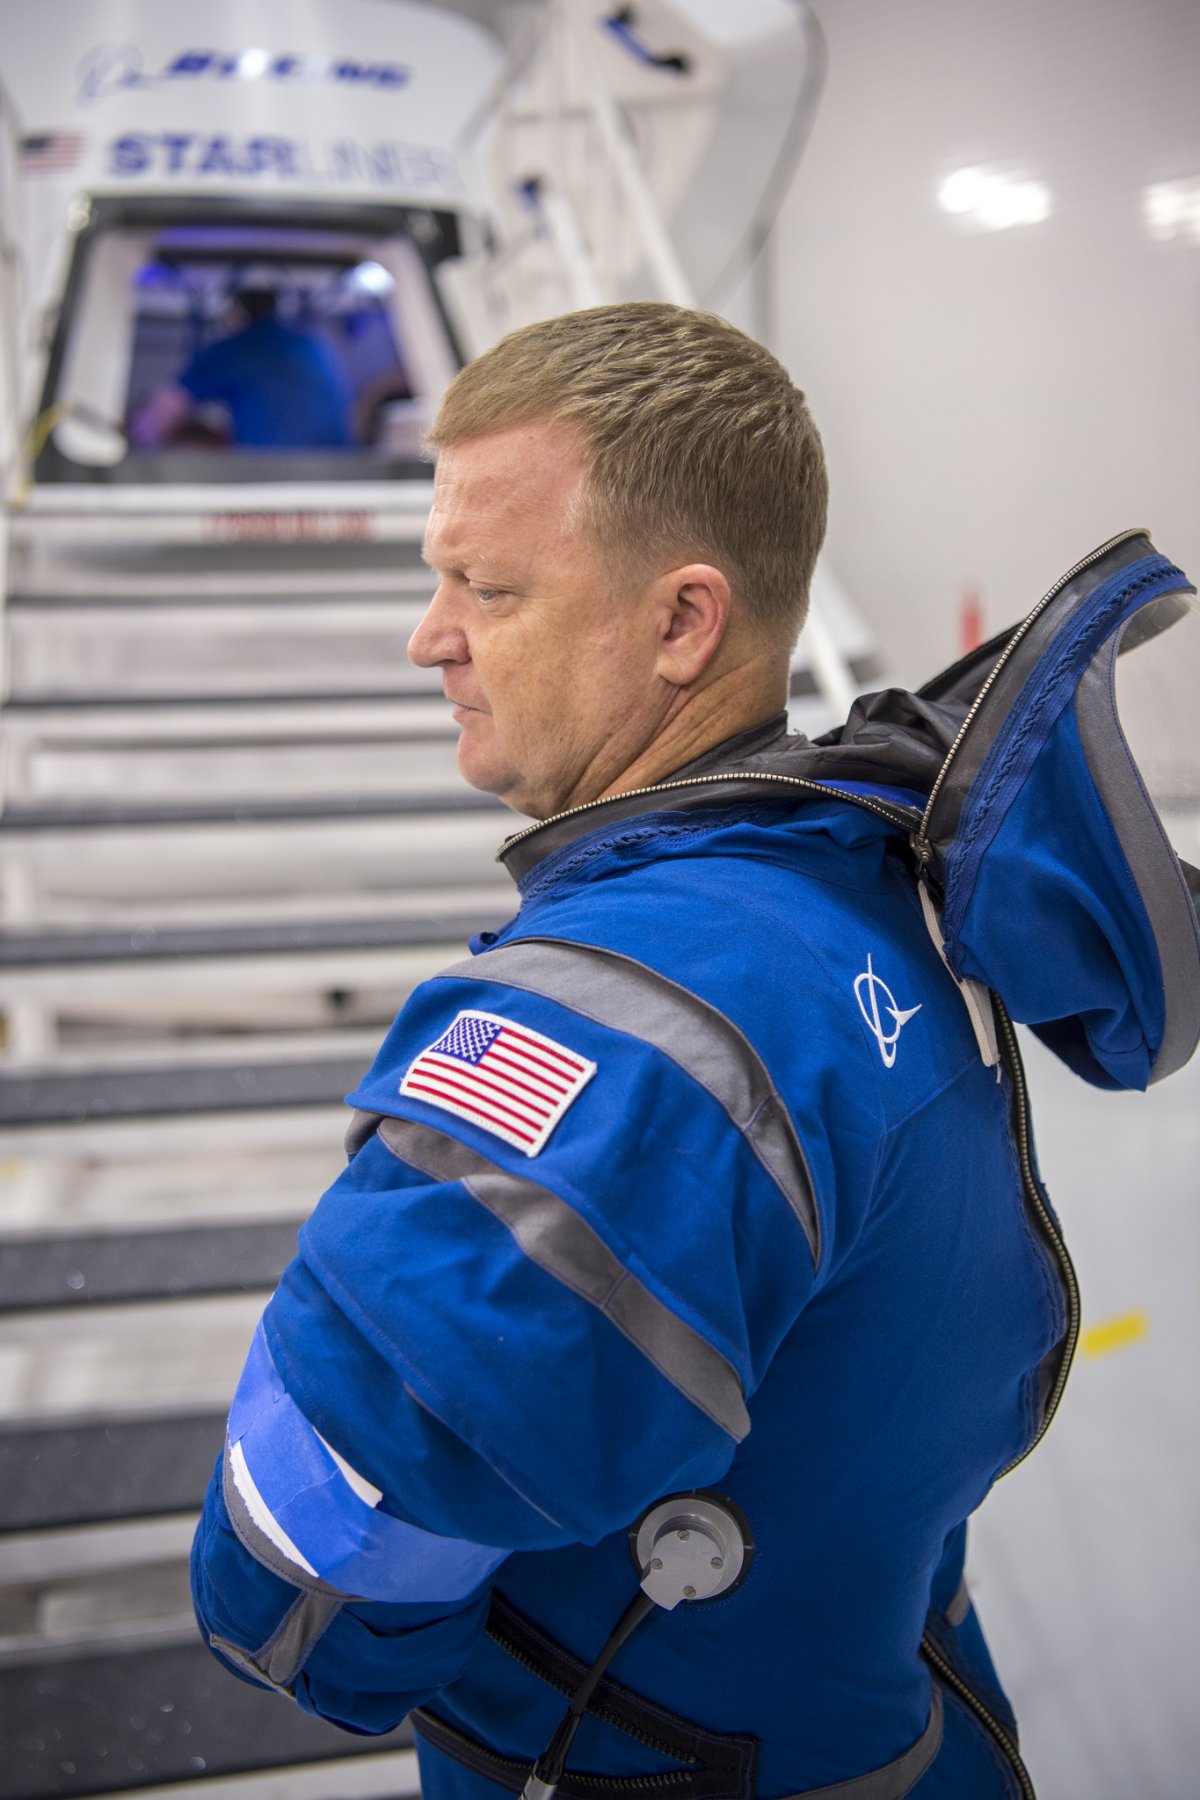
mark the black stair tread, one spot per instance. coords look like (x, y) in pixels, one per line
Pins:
(98, 1471)
(48, 701)
(388, 736)
(146, 943)
(137, 1718)
(240, 812)
(144, 1265)
(281, 599)
(156, 1091)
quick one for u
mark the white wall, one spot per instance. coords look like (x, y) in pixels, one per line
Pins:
(995, 403)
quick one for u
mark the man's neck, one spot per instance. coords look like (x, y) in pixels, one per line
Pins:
(743, 747)
(747, 698)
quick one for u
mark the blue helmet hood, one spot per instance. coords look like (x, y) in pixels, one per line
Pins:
(1056, 882)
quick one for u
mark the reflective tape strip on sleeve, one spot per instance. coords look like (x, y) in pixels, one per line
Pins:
(555, 1237)
(278, 1662)
(306, 1514)
(625, 995)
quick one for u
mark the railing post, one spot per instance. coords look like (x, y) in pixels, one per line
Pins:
(672, 283)
(10, 430)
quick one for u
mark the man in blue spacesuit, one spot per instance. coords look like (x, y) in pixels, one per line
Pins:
(283, 388)
(705, 1181)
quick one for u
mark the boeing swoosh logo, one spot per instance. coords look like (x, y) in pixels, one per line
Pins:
(869, 990)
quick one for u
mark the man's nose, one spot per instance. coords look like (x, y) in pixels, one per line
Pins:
(437, 638)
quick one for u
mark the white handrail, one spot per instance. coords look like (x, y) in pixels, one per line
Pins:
(831, 672)
(10, 432)
(563, 226)
(668, 272)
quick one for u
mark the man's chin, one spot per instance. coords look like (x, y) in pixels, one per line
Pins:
(487, 777)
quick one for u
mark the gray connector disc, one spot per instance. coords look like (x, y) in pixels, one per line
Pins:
(690, 1547)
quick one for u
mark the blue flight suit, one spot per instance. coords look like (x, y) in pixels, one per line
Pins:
(693, 1177)
(284, 389)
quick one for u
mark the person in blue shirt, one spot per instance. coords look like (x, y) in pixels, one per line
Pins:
(284, 389)
(690, 1280)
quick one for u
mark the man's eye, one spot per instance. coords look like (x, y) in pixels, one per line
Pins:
(486, 595)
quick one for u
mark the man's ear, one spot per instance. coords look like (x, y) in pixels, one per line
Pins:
(694, 616)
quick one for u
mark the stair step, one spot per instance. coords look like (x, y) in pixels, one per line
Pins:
(106, 996)
(280, 863)
(100, 1267)
(251, 716)
(118, 554)
(171, 777)
(294, 937)
(149, 1357)
(24, 820)
(100, 1724)
(316, 648)
(398, 585)
(392, 1775)
(86, 1471)
(54, 1096)
(75, 1553)
(258, 1131)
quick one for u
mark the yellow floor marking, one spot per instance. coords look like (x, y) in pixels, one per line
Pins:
(1115, 1334)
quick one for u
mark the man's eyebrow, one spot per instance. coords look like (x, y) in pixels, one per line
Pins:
(487, 572)
(437, 568)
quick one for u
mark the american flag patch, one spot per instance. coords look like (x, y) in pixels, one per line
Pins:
(503, 1077)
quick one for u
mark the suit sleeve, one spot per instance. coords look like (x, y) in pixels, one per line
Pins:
(538, 1300)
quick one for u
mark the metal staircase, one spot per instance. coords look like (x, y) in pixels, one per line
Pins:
(232, 839)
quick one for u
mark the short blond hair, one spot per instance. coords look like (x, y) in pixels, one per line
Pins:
(696, 444)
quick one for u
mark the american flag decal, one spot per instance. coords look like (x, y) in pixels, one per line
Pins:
(503, 1077)
(50, 152)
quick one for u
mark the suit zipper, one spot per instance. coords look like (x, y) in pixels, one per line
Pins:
(901, 817)
(1051, 1234)
(950, 1678)
(477, 1756)
(596, 1705)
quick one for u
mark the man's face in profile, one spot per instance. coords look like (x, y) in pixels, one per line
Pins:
(551, 672)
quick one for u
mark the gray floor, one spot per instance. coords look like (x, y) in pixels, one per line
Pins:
(1085, 1563)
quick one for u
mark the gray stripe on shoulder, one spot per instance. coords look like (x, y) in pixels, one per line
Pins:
(553, 1236)
(622, 993)
(360, 1131)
